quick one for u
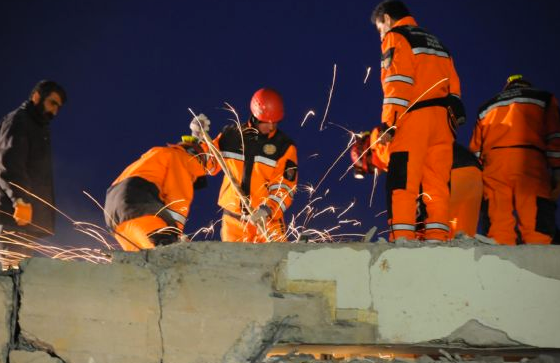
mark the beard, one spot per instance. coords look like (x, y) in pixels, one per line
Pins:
(44, 114)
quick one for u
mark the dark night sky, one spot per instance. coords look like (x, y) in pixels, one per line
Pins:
(132, 69)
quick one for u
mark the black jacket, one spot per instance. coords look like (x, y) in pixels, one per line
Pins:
(25, 159)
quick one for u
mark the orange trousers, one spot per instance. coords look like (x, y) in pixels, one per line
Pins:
(421, 154)
(517, 180)
(235, 230)
(134, 234)
(465, 200)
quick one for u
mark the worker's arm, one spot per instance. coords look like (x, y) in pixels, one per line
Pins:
(397, 77)
(282, 186)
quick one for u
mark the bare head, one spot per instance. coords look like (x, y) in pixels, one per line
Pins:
(386, 14)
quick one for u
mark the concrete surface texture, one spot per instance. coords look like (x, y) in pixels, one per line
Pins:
(225, 302)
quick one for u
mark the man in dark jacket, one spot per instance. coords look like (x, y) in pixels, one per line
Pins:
(26, 163)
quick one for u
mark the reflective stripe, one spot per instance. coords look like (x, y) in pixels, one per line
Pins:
(266, 161)
(176, 216)
(395, 101)
(281, 186)
(279, 201)
(556, 135)
(553, 154)
(403, 227)
(477, 154)
(456, 96)
(399, 78)
(509, 102)
(437, 226)
(230, 155)
(430, 51)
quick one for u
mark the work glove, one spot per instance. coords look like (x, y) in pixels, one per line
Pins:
(196, 123)
(23, 212)
(260, 215)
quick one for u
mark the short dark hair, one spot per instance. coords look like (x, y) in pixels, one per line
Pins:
(394, 8)
(46, 87)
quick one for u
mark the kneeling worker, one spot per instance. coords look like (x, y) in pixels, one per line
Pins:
(147, 205)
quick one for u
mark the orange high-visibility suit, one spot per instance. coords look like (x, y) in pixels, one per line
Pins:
(466, 184)
(418, 72)
(265, 167)
(466, 192)
(149, 202)
(517, 137)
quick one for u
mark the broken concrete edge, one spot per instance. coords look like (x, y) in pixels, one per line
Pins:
(153, 260)
(17, 341)
(321, 288)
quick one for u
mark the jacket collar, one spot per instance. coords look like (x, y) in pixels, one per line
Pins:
(407, 20)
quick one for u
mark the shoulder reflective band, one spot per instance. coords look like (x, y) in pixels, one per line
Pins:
(403, 227)
(437, 226)
(279, 201)
(230, 155)
(429, 51)
(265, 161)
(176, 216)
(281, 186)
(553, 154)
(399, 78)
(395, 101)
(509, 102)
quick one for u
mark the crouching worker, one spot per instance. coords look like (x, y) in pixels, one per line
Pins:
(148, 204)
(466, 182)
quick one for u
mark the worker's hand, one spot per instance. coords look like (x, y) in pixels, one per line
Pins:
(196, 123)
(260, 215)
(23, 212)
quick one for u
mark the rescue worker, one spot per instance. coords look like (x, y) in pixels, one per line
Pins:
(517, 138)
(148, 204)
(466, 183)
(421, 109)
(26, 160)
(263, 163)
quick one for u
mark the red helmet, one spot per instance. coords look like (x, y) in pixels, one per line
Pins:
(267, 105)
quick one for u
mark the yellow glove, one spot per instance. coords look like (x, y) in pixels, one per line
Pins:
(23, 212)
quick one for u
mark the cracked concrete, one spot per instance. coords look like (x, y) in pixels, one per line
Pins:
(23, 356)
(213, 302)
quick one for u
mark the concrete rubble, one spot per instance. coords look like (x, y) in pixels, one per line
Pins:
(206, 302)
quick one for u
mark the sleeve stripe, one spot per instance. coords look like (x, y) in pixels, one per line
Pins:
(282, 186)
(279, 201)
(230, 155)
(399, 78)
(553, 154)
(395, 101)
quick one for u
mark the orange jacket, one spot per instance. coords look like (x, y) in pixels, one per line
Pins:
(520, 118)
(172, 170)
(264, 166)
(412, 62)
